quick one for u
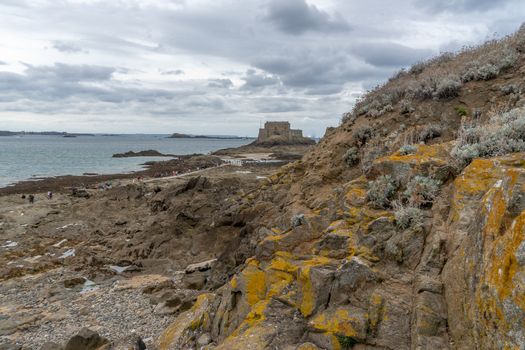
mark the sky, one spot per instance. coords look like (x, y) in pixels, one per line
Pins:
(218, 66)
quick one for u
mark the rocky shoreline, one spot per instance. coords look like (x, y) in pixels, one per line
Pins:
(183, 164)
(109, 262)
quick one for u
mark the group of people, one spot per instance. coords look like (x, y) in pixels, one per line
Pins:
(31, 197)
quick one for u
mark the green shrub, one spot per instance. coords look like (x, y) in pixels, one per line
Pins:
(421, 190)
(461, 111)
(351, 156)
(346, 342)
(381, 191)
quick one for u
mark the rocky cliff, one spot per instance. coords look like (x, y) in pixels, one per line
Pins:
(402, 229)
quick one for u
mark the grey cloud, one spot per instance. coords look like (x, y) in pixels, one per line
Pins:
(67, 47)
(254, 80)
(172, 72)
(390, 54)
(461, 5)
(320, 71)
(220, 83)
(315, 75)
(277, 105)
(67, 72)
(2, 63)
(60, 82)
(296, 17)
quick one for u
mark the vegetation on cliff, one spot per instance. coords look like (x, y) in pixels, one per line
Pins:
(402, 223)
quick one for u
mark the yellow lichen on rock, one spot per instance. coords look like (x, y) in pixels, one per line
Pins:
(338, 322)
(307, 302)
(192, 319)
(254, 282)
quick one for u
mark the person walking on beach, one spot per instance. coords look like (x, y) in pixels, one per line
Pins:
(31, 199)
(49, 195)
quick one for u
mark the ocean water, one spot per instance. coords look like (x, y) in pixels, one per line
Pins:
(33, 156)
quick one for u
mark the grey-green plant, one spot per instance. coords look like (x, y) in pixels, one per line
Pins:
(447, 88)
(421, 190)
(408, 216)
(504, 133)
(351, 156)
(407, 149)
(429, 132)
(362, 134)
(381, 191)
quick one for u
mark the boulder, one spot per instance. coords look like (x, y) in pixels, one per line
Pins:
(74, 281)
(195, 281)
(51, 346)
(202, 266)
(204, 339)
(86, 339)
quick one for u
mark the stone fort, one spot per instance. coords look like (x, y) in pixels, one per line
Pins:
(281, 133)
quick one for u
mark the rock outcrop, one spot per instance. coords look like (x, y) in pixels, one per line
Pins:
(437, 263)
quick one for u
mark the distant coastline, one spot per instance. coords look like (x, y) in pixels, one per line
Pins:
(43, 133)
(226, 137)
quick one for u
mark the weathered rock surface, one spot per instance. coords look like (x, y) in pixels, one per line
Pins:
(86, 339)
(361, 279)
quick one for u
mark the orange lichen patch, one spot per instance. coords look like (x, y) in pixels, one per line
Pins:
(473, 183)
(425, 153)
(307, 302)
(274, 238)
(254, 337)
(493, 211)
(257, 312)
(254, 282)
(366, 253)
(278, 281)
(356, 195)
(276, 231)
(283, 262)
(192, 319)
(363, 216)
(338, 322)
(505, 266)
(477, 178)
(234, 282)
(340, 228)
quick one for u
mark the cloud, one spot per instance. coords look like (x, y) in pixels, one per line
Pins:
(461, 5)
(254, 80)
(320, 70)
(69, 73)
(171, 72)
(302, 60)
(220, 83)
(388, 54)
(61, 82)
(68, 47)
(278, 105)
(2, 63)
(297, 17)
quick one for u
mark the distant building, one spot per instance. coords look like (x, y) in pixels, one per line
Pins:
(281, 133)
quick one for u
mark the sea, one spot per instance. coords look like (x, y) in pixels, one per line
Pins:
(25, 157)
